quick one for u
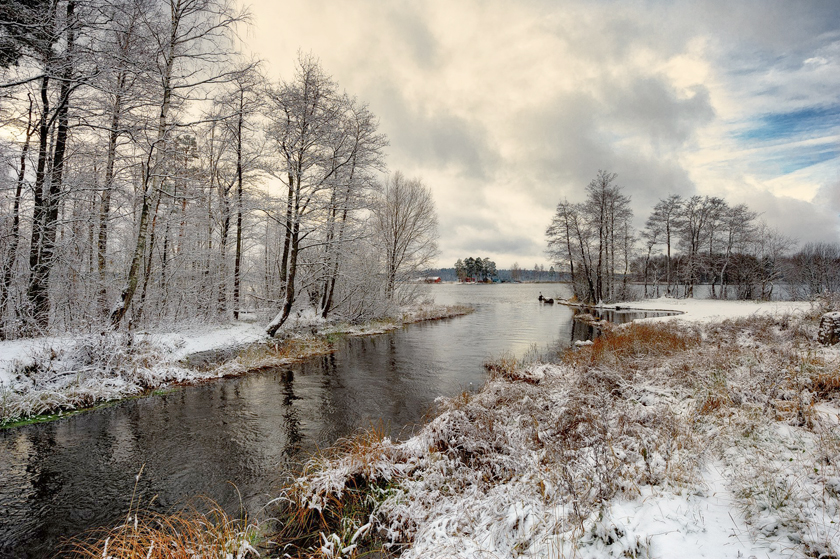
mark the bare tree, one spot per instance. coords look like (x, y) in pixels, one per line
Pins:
(303, 114)
(8, 264)
(359, 138)
(192, 37)
(815, 269)
(661, 225)
(406, 225)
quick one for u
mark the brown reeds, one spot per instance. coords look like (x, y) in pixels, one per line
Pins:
(188, 535)
(502, 367)
(618, 345)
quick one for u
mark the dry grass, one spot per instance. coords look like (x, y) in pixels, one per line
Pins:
(340, 524)
(188, 534)
(184, 535)
(618, 345)
(646, 404)
(435, 313)
(292, 349)
(502, 367)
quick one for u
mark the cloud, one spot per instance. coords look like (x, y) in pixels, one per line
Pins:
(506, 108)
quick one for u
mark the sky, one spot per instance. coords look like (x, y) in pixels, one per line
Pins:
(504, 109)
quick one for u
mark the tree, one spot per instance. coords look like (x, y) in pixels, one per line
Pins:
(815, 269)
(697, 223)
(515, 272)
(44, 34)
(325, 147)
(358, 143)
(405, 221)
(460, 270)
(193, 41)
(597, 235)
(661, 228)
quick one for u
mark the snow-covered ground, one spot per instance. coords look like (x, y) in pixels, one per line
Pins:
(705, 310)
(695, 438)
(49, 374)
(172, 346)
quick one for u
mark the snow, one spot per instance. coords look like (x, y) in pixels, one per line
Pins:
(14, 353)
(195, 339)
(701, 523)
(707, 310)
(173, 345)
(718, 449)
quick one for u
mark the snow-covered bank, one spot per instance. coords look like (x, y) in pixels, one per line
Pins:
(47, 375)
(706, 310)
(172, 345)
(689, 439)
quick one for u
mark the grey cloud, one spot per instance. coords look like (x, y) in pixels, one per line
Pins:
(415, 35)
(502, 248)
(620, 117)
(801, 220)
(828, 197)
(501, 244)
(571, 142)
(652, 109)
(432, 139)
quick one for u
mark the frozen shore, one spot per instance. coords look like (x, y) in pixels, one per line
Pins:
(48, 375)
(714, 434)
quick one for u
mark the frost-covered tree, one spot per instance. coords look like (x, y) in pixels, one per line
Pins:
(193, 40)
(596, 239)
(405, 221)
(325, 147)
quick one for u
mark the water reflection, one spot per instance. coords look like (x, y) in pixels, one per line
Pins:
(61, 478)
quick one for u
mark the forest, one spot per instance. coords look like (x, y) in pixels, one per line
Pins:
(153, 175)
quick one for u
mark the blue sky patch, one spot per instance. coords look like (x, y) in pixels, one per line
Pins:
(805, 123)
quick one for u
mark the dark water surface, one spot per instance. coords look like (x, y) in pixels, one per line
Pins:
(236, 441)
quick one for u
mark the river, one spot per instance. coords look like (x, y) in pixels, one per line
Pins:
(238, 440)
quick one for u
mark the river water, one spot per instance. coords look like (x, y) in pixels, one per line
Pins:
(238, 440)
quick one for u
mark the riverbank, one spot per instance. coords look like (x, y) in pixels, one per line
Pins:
(712, 435)
(44, 378)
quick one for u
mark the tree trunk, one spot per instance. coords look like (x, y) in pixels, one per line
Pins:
(105, 200)
(287, 241)
(41, 265)
(9, 263)
(151, 182)
(237, 261)
(289, 296)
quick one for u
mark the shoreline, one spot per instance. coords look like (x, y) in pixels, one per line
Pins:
(659, 439)
(172, 370)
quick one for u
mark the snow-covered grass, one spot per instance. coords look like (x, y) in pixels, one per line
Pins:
(49, 375)
(689, 439)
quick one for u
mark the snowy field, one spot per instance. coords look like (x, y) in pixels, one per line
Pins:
(700, 437)
(173, 346)
(705, 310)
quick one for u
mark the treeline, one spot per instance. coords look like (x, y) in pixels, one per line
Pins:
(517, 274)
(686, 242)
(153, 174)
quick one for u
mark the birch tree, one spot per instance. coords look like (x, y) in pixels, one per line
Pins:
(192, 38)
(303, 115)
(596, 236)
